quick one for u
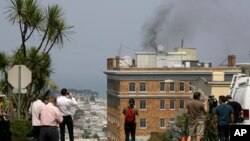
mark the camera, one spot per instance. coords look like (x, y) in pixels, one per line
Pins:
(212, 102)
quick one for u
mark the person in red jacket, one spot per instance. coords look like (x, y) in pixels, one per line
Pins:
(130, 120)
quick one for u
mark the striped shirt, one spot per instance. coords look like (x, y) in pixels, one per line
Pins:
(50, 115)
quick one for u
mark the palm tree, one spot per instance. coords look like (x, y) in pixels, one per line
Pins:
(4, 66)
(28, 16)
(50, 24)
(53, 30)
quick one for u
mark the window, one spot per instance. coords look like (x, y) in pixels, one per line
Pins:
(143, 104)
(182, 87)
(162, 87)
(171, 122)
(190, 88)
(171, 87)
(182, 104)
(143, 123)
(162, 105)
(162, 123)
(172, 104)
(131, 87)
(142, 87)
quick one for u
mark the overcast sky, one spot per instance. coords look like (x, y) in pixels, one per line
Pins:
(216, 28)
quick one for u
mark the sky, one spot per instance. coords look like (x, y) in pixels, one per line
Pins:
(105, 29)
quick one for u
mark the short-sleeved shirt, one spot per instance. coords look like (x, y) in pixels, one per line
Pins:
(195, 109)
(223, 112)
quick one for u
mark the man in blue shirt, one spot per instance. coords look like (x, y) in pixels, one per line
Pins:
(223, 116)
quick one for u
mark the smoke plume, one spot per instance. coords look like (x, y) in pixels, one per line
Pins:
(216, 28)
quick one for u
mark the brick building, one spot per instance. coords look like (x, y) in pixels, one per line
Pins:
(157, 100)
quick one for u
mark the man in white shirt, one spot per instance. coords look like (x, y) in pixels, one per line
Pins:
(35, 110)
(64, 102)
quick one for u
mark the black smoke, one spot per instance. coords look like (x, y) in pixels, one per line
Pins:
(216, 28)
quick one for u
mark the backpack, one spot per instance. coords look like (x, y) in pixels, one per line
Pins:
(130, 115)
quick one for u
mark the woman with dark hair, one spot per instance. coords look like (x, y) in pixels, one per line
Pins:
(130, 120)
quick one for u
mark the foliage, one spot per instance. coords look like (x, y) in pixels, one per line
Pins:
(78, 114)
(182, 123)
(96, 136)
(20, 129)
(157, 136)
(210, 133)
(49, 29)
(86, 134)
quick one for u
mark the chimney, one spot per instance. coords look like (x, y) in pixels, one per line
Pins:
(110, 63)
(117, 61)
(231, 60)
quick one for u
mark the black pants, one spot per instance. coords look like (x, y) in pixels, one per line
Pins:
(130, 129)
(224, 132)
(67, 120)
(5, 134)
(36, 132)
(49, 133)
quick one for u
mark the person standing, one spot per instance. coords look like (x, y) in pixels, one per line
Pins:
(195, 110)
(130, 120)
(65, 102)
(50, 118)
(236, 107)
(4, 123)
(223, 115)
(34, 111)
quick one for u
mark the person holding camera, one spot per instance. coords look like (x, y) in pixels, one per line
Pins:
(130, 120)
(65, 102)
(195, 110)
(237, 109)
(223, 115)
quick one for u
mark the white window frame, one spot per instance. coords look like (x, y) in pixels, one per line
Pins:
(182, 104)
(162, 87)
(190, 88)
(171, 87)
(162, 123)
(132, 89)
(143, 123)
(171, 122)
(144, 103)
(171, 103)
(143, 87)
(162, 104)
(182, 87)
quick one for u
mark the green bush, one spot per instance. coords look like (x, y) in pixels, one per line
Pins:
(20, 129)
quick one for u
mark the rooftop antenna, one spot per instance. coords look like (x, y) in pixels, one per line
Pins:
(119, 50)
(228, 52)
(249, 55)
(182, 43)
